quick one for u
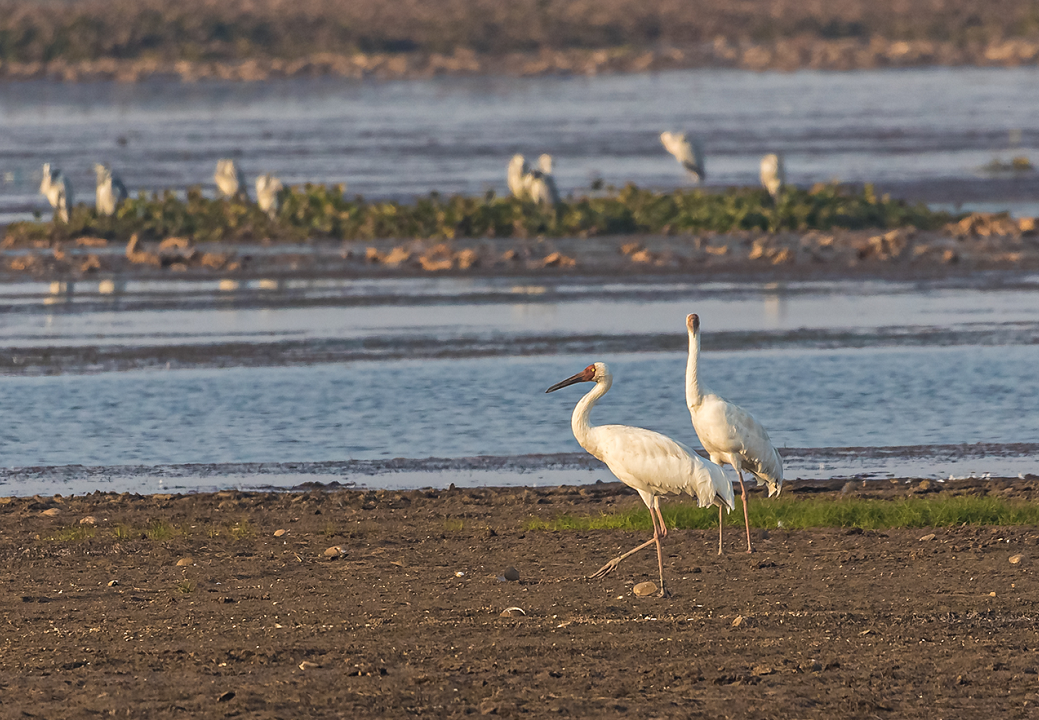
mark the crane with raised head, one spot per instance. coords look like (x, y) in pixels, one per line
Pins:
(728, 433)
(650, 463)
(55, 186)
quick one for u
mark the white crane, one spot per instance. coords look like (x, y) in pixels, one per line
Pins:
(729, 434)
(267, 189)
(535, 184)
(651, 463)
(58, 191)
(773, 175)
(110, 190)
(689, 154)
(228, 178)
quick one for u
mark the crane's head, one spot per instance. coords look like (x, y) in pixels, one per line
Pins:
(692, 323)
(596, 372)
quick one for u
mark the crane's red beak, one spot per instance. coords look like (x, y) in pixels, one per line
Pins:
(586, 375)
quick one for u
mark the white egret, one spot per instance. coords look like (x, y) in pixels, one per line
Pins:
(536, 184)
(228, 178)
(110, 190)
(773, 175)
(58, 191)
(689, 154)
(651, 463)
(268, 188)
(729, 434)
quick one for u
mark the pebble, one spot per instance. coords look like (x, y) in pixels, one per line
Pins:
(307, 665)
(738, 621)
(759, 670)
(88, 520)
(928, 536)
(185, 562)
(51, 512)
(113, 583)
(511, 574)
(334, 551)
(229, 695)
(1015, 559)
(645, 588)
(280, 532)
(512, 612)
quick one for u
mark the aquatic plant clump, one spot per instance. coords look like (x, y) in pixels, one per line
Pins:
(319, 211)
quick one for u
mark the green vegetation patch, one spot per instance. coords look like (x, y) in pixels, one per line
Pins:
(320, 211)
(792, 513)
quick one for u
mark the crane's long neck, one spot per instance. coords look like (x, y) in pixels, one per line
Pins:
(580, 421)
(693, 391)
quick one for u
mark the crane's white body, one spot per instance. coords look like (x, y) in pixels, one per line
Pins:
(228, 178)
(728, 433)
(646, 461)
(110, 190)
(773, 174)
(535, 184)
(58, 191)
(689, 154)
(267, 189)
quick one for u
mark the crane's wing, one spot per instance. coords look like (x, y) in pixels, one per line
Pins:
(728, 428)
(119, 190)
(649, 461)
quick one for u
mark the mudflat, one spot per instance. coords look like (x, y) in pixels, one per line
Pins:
(198, 606)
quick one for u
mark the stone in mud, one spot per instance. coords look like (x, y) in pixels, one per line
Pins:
(51, 512)
(185, 562)
(88, 520)
(928, 536)
(512, 574)
(334, 551)
(645, 588)
(513, 612)
(1016, 559)
(280, 532)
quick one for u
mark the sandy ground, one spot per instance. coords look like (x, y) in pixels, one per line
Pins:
(815, 624)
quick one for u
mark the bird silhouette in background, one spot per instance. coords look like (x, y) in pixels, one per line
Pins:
(268, 188)
(773, 174)
(728, 433)
(536, 184)
(58, 191)
(228, 179)
(110, 190)
(650, 463)
(689, 154)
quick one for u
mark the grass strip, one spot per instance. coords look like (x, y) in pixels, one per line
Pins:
(792, 513)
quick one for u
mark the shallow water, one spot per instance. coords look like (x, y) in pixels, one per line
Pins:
(924, 133)
(460, 408)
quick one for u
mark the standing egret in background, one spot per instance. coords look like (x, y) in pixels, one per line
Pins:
(542, 184)
(535, 184)
(651, 463)
(729, 433)
(110, 190)
(517, 177)
(773, 175)
(690, 155)
(228, 178)
(267, 189)
(58, 191)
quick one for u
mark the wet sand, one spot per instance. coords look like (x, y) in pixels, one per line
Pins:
(818, 623)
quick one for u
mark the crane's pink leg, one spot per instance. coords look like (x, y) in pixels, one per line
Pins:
(746, 515)
(663, 525)
(612, 564)
(660, 565)
(719, 529)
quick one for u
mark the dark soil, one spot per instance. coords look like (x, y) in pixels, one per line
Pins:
(816, 624)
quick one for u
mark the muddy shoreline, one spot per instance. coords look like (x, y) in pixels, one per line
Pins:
(101, 620)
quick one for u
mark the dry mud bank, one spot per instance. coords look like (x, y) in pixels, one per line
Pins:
(101, 619)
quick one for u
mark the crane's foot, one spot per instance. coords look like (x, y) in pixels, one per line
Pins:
(664, 593)
(606, 569)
